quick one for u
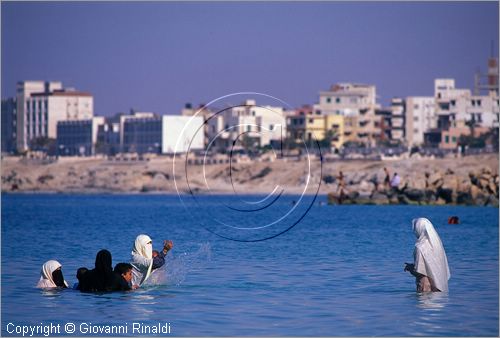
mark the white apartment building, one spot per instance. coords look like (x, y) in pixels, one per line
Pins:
(352, 99)
(181, 134)
(455, 107)
(262, 124)
(40, 105)
(420, 117)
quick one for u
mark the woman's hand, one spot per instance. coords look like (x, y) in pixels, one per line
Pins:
(167, 245)
(409, 267)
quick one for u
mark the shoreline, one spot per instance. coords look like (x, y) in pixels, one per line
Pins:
(170, 194)
(467, 180)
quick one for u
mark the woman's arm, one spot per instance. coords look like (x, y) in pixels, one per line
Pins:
(159, 260)
(411, 269)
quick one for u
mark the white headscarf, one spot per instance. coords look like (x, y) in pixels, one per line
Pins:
(429, 254)
(142, 259)
(46, 280)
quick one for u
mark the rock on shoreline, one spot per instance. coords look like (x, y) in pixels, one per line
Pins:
(477, 188)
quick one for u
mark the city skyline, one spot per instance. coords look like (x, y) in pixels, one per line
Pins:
(159, 56)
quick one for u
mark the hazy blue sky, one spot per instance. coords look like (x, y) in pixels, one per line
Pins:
(157, 56)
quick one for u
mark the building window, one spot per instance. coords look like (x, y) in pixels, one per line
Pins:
(253, 112)
(249, 128)
(271, 127)
(328, 99)
(311, 121)
(479, 103)
(337, 99)
(452, 102)
(454, 139)
(318, 112)
(447, 139)
(415, 131)
(415, 118)
(415, 106)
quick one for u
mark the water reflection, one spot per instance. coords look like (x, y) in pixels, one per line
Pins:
(51, 292)
(432, 300)
(432, 313)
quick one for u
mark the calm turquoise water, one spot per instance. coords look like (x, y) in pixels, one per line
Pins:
(338, 272)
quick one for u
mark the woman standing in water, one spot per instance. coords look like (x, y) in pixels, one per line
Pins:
(430, 266)
(51, 276)
(143, 262)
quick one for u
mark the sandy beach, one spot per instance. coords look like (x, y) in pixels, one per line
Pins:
(156, 175)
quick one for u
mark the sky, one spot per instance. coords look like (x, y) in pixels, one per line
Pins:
(157, 56)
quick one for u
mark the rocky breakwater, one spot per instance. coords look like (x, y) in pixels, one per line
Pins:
(446, 187)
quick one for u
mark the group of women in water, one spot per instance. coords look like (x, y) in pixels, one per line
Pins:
(429, 267)
(124, 277)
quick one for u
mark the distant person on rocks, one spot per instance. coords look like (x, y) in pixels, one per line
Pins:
(51, 276)
(430, 266)
(143, 262)
(427, 176)
(387, 179)
(396, 180)
(374, 181)
(341, 187)
(453, 220)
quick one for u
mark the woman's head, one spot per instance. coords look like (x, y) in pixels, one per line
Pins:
(103, 261)
(419, 226)
(124, 270)
(143, 246)
(80, 272)
(424, 230)
(52, 271)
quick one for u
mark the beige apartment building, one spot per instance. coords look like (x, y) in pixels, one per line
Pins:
(41, 105)
(352, 100)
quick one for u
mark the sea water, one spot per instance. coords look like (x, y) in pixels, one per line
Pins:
(336, 271)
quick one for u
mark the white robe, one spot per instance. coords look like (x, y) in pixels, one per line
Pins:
(430, 257)
(46, 280)
(142, 259)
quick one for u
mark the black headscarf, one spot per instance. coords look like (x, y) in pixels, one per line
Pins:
(101, 278)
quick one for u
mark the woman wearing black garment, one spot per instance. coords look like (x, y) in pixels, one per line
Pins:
(102, 278)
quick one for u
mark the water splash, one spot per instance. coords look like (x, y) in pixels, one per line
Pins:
(177, 268)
